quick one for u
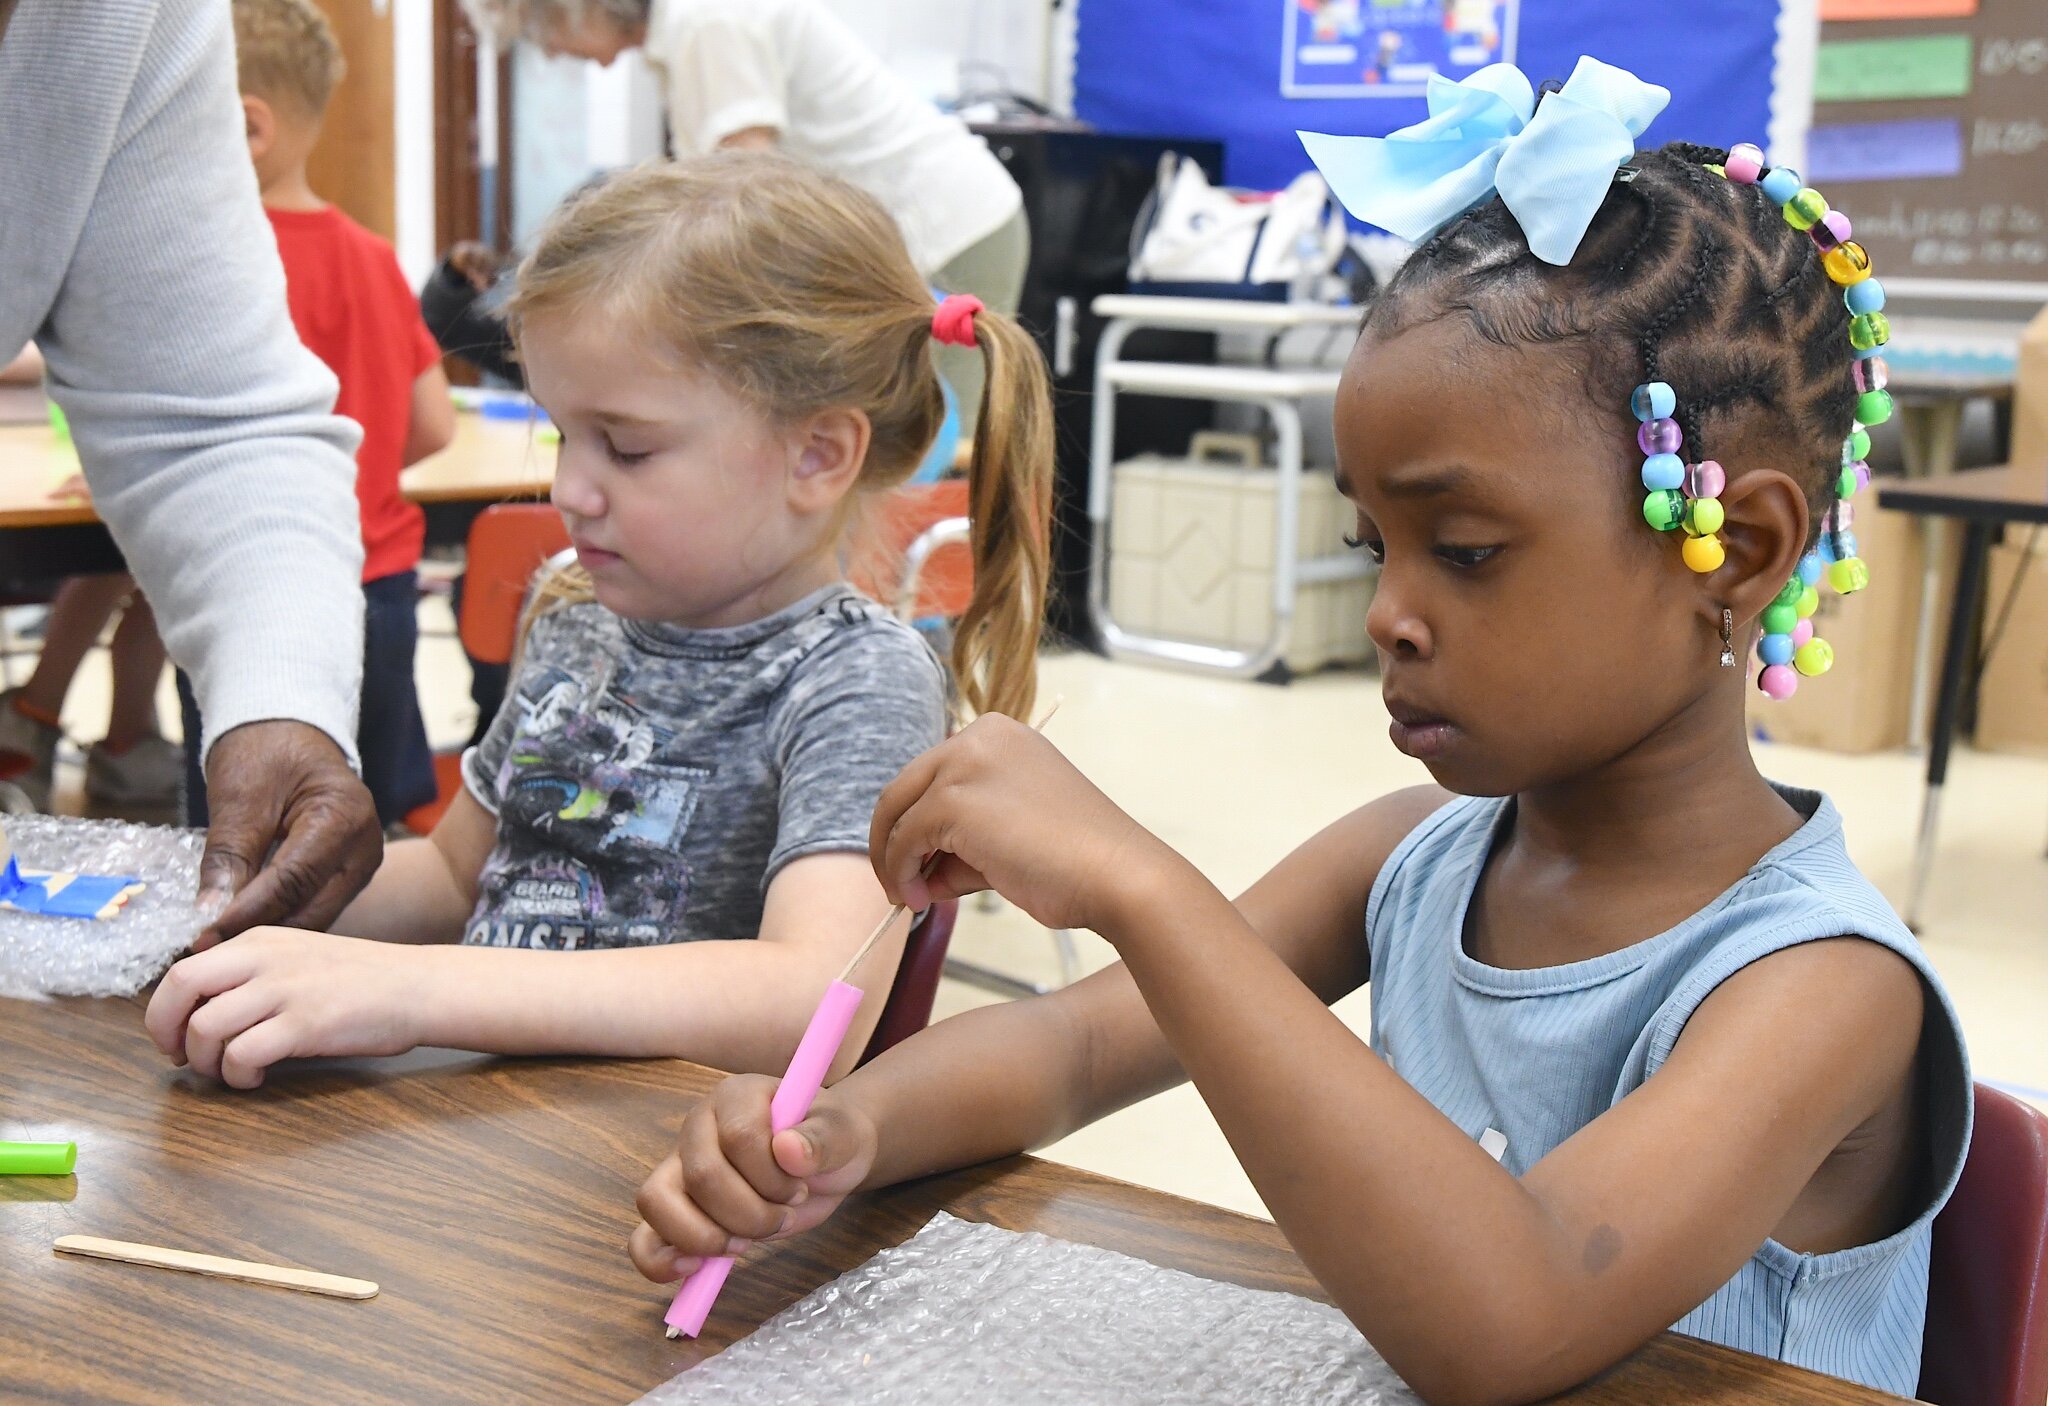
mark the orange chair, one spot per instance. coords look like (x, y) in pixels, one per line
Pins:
(508, 543)
(1987, 1285)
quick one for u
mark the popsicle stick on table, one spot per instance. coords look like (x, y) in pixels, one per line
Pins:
(306, 1281)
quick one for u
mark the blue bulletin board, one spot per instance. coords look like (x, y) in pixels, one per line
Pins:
(1251, 72)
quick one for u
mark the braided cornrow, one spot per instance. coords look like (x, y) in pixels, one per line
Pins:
(1682, 277)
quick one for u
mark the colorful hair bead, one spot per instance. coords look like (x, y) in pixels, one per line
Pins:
(1849, 575)
(1869, 331)
(1807, 604)
(1663, 471)
(1780, 183)
(1874, 407)
(1744, 164)
(1704, 516)
(1869, 375)
(1653, 400)
(1659, 436)
(1811, 568)
(1704, 554)
(1775, 649)
(1788, 594)
(1846, 262)
(1856, 445)
(1862, 472)
(1845, 546)
(1805, 209)
(1845, 482)
(1780, 617)
(1867, 296)
(1814, 658)
(1778, 682)
(1664, 509)
(1829, 230)
(1801, 633)
(1706, 479)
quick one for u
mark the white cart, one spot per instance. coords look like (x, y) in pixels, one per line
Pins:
(1277, 392)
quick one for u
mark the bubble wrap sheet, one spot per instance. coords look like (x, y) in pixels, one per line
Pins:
(963, 1312)
(42, 956)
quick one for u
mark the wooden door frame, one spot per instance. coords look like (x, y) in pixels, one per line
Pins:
(458, 172)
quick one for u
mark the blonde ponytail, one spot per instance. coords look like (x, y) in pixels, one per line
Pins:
(995, 648)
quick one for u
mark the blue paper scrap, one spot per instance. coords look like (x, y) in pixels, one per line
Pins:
(64, 895)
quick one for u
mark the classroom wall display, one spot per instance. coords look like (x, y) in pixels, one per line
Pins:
(1389, 48)
(1253, 72)
(1930, 126)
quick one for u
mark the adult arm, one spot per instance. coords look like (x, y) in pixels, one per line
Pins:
(206, 435)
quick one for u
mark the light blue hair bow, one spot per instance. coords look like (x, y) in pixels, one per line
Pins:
(1551, 164)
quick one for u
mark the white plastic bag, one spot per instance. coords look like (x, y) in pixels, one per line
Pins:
(1203, 234)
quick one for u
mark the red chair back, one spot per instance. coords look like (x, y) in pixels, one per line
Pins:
(1987, 1286)
(909, 1007)
(508, 543)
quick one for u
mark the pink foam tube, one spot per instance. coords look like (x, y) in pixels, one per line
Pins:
(814, 1056)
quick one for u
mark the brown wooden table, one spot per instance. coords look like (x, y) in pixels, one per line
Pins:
(491, 1201)
(489, 461)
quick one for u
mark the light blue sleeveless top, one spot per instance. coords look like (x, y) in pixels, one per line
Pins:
(1536, 1055)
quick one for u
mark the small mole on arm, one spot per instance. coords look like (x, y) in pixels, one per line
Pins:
(1603, 1247)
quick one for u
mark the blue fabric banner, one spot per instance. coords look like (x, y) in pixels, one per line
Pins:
(1225, 69)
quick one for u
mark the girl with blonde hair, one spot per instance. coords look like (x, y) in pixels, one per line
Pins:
(738, 352)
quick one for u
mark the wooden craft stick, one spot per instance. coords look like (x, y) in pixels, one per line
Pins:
(304, 1280)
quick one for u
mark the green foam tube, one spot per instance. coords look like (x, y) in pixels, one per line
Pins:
(38, 1159)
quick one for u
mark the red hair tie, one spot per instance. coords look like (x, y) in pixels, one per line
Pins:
(953, 322)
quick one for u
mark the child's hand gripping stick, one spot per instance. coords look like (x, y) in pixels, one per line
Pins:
(814, 1056)
(793, 1098)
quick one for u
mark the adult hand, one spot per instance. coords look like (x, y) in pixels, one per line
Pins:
(286, 784)
(479, 263)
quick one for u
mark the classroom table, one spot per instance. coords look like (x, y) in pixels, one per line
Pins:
(1984, 501)
(490, 1199)
(489, 461)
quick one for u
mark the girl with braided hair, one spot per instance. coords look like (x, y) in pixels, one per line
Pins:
(1647, 1051)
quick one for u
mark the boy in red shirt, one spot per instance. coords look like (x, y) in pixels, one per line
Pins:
(354, 310)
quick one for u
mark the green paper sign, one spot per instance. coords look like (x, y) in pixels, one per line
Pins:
(1877, 70)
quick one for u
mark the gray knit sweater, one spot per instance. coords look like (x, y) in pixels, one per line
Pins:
(134, 252)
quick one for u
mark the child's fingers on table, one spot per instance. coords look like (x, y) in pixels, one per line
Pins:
(210, 1028)
(249, 1054)
(185, 986)
(667, 1208)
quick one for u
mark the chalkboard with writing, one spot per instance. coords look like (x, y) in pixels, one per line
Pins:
(1930, 128)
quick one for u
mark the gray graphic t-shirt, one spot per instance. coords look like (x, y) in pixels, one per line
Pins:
(649, 781)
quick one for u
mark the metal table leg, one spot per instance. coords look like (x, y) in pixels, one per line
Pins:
(1955, 668)
(1930, 434)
